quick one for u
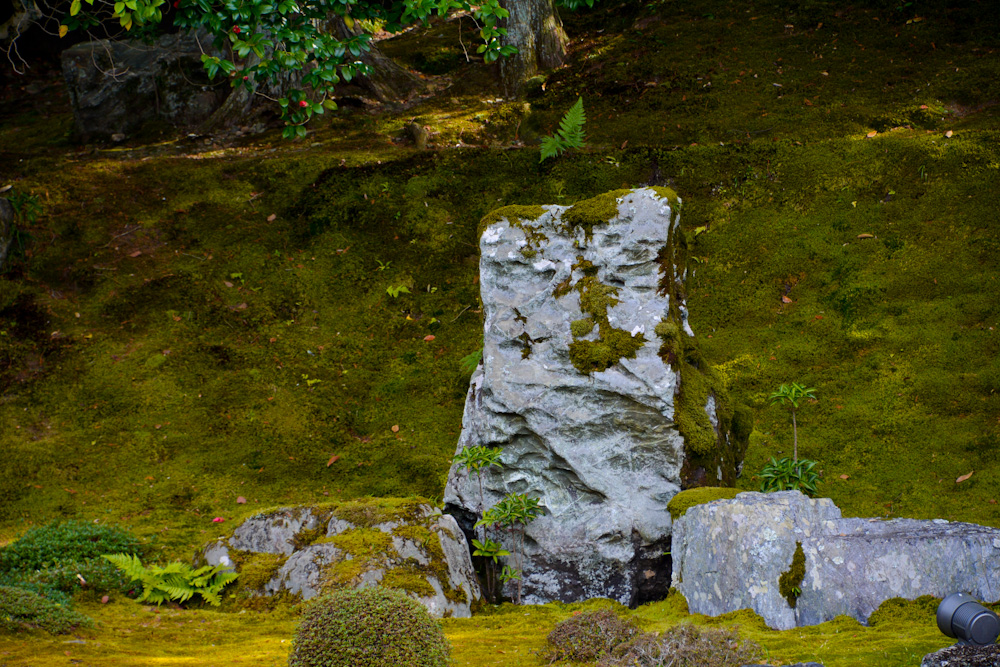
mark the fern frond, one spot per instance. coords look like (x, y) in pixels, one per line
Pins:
(569, 134)
(571, 126)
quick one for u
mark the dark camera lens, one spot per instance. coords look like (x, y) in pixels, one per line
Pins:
(960, 616)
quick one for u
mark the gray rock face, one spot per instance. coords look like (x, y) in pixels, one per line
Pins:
(601, 449)
(412, 547)
(116, 87)
(730, 554)
(964, 656)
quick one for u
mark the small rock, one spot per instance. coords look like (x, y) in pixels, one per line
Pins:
(117, 137)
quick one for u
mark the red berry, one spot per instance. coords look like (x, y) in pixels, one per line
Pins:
(236, 29)
(245, 78)
(303, 103)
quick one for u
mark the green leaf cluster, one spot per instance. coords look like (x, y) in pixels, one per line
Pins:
(174, 581)
(569, 135)
(790, 475)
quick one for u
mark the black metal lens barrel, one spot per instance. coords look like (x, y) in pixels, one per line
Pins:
(960, 616)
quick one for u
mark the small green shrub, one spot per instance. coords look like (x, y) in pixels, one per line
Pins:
(372, 627)
(789, 475)
(685, 646)
(68, 542)
(590, 636)
(25, 610)
(60, 559)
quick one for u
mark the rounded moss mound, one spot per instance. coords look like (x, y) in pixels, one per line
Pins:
(680, 503)
(371, 627)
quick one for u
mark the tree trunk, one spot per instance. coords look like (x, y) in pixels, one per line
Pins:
(389, 81)
(535, 29)
(6, 229)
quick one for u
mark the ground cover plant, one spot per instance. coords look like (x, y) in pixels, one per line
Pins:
(198, 328)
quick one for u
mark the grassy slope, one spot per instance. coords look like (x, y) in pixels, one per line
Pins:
(162, 398)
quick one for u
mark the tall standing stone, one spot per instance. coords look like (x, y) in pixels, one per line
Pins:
(577, 389)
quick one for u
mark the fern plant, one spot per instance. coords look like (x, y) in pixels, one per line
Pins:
(174, 581)
(569, 135)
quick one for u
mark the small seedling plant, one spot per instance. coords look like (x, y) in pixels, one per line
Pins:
(476, 460)
(791, 474)
(513, 514)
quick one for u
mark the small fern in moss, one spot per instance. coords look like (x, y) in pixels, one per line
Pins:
(569, 135)
(174, 581)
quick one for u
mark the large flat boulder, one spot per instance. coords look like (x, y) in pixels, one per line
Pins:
(577, 390)
(732, 554)
(404, 544)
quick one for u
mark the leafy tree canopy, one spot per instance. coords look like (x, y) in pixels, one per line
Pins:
(265, 39)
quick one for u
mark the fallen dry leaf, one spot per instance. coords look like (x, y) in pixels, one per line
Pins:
(948, 134)
(104, 599)
(395, 428)
(845, 477)
(135, 254)
(923, 106)
(272, 217)
(964, 477)
(785, 299)
(428, 337)
(333, 459)
(240, 500)
(872, 134)
(866, 236)
(227, 283)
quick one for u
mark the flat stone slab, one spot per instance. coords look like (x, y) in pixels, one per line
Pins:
(730, 554)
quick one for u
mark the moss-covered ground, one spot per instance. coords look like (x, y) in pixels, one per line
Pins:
(194, 321)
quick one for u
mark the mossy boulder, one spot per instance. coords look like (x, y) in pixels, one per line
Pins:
(404, 544)
(580, 398)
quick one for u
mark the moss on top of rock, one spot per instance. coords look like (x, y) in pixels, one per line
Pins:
(685, 500)
(594, 211)
(515, 215)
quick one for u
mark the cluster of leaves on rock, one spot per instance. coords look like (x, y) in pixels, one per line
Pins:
(611, 641)
(370, 627)
(512, 514)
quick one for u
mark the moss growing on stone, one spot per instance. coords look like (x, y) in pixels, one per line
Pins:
(582, 327)
(687, 499)
(613, 344)
(257, 569)
(594, 211)
(362, 542)
(374, 511)
(790, 581)
(669, 194)
(515, 215)
(408, 579)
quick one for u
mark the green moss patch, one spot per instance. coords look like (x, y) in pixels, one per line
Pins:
(687, 499)
(790, 581)
(594, 211)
